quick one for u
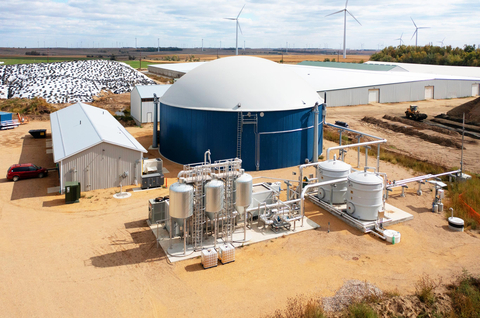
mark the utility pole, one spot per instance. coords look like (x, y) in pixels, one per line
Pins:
(158, 45)
(202, 45)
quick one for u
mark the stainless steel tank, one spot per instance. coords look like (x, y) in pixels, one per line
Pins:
(331, 170)
(365, 195)
(244, 186)
(181, 200)
(214, 197)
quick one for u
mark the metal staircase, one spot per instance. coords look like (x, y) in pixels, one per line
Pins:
(198, 208)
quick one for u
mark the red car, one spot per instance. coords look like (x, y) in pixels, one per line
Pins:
(25, 170)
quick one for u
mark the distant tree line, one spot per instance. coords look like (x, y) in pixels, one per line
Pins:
(34, 53)
(155, 49)
(468, 56)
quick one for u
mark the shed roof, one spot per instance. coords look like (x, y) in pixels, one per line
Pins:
(178, 67)
(464, 71)
(147, 91)
(81, 126)
(353, 66)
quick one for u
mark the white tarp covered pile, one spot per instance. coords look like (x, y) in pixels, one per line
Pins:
(68, 82)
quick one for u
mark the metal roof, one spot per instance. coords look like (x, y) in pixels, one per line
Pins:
(81, 126)
(464, 71)
(353, 66)
(241, 83)
(147, 91)
(178, 67)
(327, 79)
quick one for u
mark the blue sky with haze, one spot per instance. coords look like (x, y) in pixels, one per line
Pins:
(265, 24)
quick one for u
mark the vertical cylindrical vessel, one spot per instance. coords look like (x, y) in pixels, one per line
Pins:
(332, 170)
(365, 195)
(243, 186)
(181, 200)
(214, 196)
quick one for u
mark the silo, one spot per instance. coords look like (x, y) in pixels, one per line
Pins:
(181, 200)
(243, 190)
(332, 170)
(364, 195)
(214, 197)
(262, 112)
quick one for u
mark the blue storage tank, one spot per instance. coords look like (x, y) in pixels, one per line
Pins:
(243, 107)
(5, 116)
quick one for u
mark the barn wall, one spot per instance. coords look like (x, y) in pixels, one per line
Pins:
(100, 167)
(135, 106)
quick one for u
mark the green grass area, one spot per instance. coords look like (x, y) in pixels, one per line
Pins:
(136, 63)
(40, 59)
(470, 191)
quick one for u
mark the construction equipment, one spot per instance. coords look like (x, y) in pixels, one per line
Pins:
(414, 113)
(22, 120)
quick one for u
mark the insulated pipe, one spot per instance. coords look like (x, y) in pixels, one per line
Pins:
(355, 145)
(155, 121)
(314, 185)
(315, 132)
(205, 157)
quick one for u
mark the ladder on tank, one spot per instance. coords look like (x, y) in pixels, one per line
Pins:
(228, 220)
(198, 209)
(245, 119)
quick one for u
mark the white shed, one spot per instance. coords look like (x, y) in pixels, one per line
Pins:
(141, 102)
(90, 146)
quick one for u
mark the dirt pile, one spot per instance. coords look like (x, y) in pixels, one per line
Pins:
(471, 110)
(421, 125)
(411, 131)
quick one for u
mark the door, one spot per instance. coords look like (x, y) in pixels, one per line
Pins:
(475, 89)
(149, 118)
(428, 92)
(373, 96)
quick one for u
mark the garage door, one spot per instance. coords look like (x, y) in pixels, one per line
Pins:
(373, 96)
(474, 89)
(428, 92)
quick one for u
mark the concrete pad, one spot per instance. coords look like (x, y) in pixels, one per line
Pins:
(53, 190)
(49, 144)
(122, 195)
(49, 151)
(175, 253)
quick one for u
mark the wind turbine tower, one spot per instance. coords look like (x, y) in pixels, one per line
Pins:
(400, 39)
(344, 26)
(237, 27)
(415, 34)
(441, 42)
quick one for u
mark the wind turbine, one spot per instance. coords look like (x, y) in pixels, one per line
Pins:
(344, 26)
(237, 27)
(400, 38)
(441, 42)
(416, 31)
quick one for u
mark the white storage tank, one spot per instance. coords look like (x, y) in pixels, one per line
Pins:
(181, 200)
(214, 197)
(332, 170)
(244, 187)
(364, 195)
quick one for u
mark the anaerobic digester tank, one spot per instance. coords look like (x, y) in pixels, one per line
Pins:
(214, 196)
(364, 195)
(332, 170)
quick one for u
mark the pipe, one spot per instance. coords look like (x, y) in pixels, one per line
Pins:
(315, 132)
(205, 157)
(210, 165)
(314, 185)
(155, 121)
(355, 145)
(354, 131)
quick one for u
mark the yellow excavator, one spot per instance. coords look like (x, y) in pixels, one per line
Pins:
(414, 113)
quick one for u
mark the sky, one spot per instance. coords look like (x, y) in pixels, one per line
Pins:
(265, 23)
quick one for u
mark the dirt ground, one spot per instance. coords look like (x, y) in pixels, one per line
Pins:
(98, 258)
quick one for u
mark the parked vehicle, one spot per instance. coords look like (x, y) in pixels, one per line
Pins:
(25, 170)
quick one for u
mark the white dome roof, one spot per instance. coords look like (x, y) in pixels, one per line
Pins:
(253, 83)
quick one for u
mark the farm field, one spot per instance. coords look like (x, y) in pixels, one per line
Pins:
(99, 258)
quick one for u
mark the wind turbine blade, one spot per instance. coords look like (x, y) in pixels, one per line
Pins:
(354, 17)
(238, 23)
(230, 18)
(335, 13)
(401, 36)
(414, 33)
(413, 22)
(241, 11)
(424, 28)
(346, 4)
